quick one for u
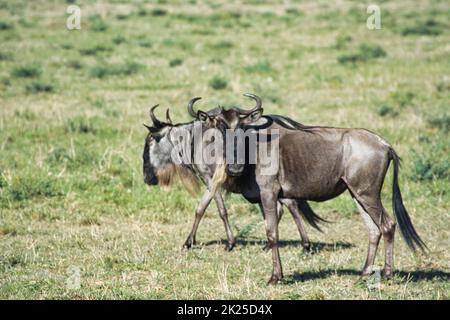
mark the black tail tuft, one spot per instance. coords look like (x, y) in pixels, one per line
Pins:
(410, 235)
(310, 216)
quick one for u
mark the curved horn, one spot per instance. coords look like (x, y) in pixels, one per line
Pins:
(156, 122)
(168, 117)
(190, 107)
(256, 107)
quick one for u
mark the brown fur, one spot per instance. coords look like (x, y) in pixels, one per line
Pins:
(171, 173)
(220, 176)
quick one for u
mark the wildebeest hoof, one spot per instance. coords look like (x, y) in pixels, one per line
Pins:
(307, 246)
(274, 280)
(188, 245)
(387, 274)
(230, 246)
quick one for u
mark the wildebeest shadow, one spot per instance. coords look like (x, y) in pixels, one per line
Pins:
(411, 276)
(315, 246)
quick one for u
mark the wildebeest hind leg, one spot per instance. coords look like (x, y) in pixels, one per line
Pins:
(291, 204)
(199, 212)
(374, 238)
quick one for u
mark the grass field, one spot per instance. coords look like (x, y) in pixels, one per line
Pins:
(72, 104)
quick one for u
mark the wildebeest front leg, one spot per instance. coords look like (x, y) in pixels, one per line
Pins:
(199, 212)
(279, 214)
(269, 203)
(224, 216)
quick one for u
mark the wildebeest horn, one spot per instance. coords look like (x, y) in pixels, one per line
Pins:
(156, 122)
(190, 107)
(168, 117)
(255, 108)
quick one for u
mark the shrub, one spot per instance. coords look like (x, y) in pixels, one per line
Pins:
(74, 64)
(66, 46)
(175, 62)
(441, 122)
(3, 182)
(95, 49)
(90, 221)
(158, 12)
(146, 43)
(7, 229)
(427, 169)
(364, 53)
(79, 157)
(293, 11)
(342, 41)
(386, 110)
(25, 114)
(119, 40)
(5, 25)
(247, 230)
(218, 83)
(97, 24)
(403, 98)
(81, 125)
(39, 86)
(122, 16)
(104, 70)
(28, 187)
(27, 71)
(58, 154)
(142, 12)
(261, 67)
(6, 56)
(432, 161)
(223, 45)
(443, 86)
(428, 28)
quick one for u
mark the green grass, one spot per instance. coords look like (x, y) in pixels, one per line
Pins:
(71, 139)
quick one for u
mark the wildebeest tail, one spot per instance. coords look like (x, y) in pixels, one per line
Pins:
(407, 230)
(309, 215)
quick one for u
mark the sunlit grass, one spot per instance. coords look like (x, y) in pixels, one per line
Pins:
(72, 105)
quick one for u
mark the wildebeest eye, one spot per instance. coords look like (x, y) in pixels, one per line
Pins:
(156, 137)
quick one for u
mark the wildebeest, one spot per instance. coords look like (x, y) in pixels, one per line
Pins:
(159, 167)
(320, 163)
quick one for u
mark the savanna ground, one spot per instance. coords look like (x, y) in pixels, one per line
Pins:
(72, 197)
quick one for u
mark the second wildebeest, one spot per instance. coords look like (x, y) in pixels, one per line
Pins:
(320, 163)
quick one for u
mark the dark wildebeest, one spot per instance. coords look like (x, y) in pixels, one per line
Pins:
(160, 168)
(320, 163)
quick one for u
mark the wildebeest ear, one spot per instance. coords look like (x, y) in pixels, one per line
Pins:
(252, 117)
(204, 117)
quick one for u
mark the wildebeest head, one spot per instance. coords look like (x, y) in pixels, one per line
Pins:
(157, 149)
(159, 167)
(230, 119)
